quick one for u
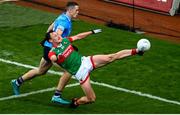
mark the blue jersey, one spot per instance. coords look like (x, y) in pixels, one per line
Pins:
(63, 22)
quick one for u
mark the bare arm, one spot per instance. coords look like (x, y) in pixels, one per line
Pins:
(59, 31)
(84, 34)
(81, 35)
(50, 27)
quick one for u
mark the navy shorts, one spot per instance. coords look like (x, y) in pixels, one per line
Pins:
(45, 53)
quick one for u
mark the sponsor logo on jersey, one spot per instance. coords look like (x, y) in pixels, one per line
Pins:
(68, 51)
(65, 54)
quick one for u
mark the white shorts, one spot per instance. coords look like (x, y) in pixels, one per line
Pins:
(86, 67)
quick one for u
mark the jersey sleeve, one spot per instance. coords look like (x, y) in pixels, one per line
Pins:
(50, 54)
(60, 24)
(61, 27)
(70, 39)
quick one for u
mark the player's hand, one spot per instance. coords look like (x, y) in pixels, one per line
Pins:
(95, 31)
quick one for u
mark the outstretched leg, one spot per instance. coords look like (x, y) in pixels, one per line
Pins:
(42, 69)
(101, 60)
(98, 61)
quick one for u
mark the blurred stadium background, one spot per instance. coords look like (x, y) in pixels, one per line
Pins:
(148, 84)
(152, 17)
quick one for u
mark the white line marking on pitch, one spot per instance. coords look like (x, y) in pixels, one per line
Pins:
(34, 92)
(95, 83)
(136, 92)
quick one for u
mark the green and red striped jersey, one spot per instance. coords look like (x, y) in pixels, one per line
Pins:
(68, 58)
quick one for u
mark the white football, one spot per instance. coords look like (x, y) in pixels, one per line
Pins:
(143, 45)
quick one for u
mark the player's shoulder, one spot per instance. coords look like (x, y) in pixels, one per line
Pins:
(62, 17)
(66, 39)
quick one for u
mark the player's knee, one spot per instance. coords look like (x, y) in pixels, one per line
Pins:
(109, 58)
(41, 72)
(92, 99)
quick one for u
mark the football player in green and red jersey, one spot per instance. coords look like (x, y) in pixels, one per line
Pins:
(80, 66)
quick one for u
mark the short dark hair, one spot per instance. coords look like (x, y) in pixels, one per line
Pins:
(70, 5)
(47, 37)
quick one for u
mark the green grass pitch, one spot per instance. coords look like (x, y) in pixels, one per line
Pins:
(156, 73)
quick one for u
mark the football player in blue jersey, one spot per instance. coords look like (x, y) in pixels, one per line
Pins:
(62, 25)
